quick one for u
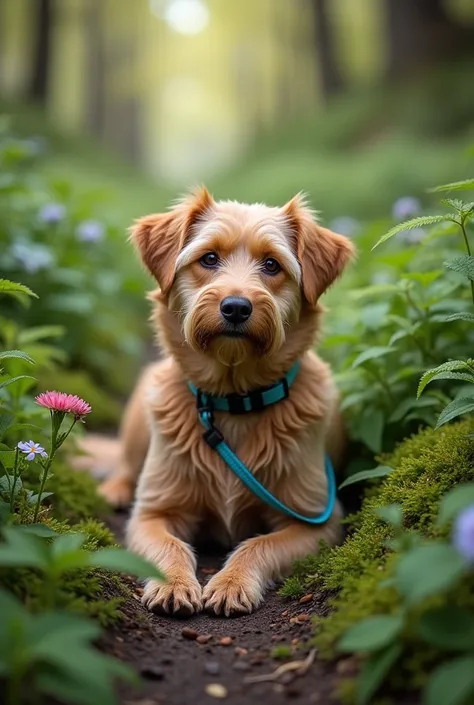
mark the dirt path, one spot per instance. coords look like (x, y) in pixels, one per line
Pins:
(177, 669)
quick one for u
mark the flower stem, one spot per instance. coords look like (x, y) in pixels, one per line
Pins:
(56, 443)
(15, 477)
(468, 250)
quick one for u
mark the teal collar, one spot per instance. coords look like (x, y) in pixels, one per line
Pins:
(256, 401)
(244, 403)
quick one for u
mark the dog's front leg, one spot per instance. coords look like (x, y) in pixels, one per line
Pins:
(240, 585)
(154, 537)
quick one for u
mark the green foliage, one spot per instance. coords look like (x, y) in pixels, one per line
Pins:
(53, 654)
(398, 580)
(282, 651)
(66, 247)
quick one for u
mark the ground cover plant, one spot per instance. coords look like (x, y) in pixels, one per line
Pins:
(53, 573)
(402, 582)
(62, 243)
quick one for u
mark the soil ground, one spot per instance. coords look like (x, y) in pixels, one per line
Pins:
(177, 669)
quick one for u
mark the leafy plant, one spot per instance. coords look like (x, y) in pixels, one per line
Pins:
(424, 569)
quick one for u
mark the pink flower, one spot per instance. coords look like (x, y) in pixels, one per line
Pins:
(65, 403)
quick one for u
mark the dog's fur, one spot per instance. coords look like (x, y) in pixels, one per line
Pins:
(184, 488)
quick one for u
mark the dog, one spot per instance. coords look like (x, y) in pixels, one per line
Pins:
(237, 305)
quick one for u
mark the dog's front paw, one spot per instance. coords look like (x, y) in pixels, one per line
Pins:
(227, 594)
(179, 597)
(117, 491)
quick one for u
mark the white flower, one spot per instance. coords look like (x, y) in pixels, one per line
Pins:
(32, 449)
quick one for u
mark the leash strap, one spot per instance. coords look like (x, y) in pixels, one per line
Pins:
(214, 439)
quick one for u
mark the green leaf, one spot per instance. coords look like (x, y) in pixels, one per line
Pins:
(464, 264)
(374, 671)
(451, 683)
(465, 185)
(12, 380)
(369, 430)
(379, 471)
(461, 316)
(421, 221)
(9, 287)
(38, 530)
(391, 514)
(450, 627)
(31, 335)
(458, 407)
(22, 550)
(371, 354)
(6, 421)
(67, 543)
(372, 633)
(455, 501)
(122, 561)
(18, 354)
(451, 366)
(428, 570)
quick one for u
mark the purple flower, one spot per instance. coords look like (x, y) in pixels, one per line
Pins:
(31, 257)
(32, 449)
(463, 534)
(51, 213)
(405, 208)
(90, 231)
(345, 225)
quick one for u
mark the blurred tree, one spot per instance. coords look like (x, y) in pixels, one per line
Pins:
(43, 17)
(420, 32)
(331, 79)
(96, 67)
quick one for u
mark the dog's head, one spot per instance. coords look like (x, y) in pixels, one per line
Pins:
(237, 275)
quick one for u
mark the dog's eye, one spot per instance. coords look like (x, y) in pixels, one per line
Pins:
(209, 260)
(271, 266)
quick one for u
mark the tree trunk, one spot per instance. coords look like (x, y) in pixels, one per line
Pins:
(421, 32)
(96, 68)
(43, 19)
(331, 79)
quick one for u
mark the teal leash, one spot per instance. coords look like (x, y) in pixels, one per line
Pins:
(255, 401)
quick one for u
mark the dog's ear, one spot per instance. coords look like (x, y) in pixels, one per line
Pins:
(160, 237)
(322, 254)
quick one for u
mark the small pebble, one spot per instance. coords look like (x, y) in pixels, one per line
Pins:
(152, 673)
(272, 626)
(204, 638)
(241, 666)
(216, 690)
(302, 618)
(212, 668)
(285, 613)
(295, 642)
(190, 634)
(119, 638)
(239, 651)
(226, 641)
(306, 598)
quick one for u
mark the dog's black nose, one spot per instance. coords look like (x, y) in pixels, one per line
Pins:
(236, 309)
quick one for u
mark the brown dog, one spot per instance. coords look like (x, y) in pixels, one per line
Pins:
(237, 305)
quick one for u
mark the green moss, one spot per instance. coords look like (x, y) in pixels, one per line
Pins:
(282, 651)
(426, 466)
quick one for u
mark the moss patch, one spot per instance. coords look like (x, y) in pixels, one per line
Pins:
(426, 466)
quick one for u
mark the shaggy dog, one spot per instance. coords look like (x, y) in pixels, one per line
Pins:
(237, 306)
